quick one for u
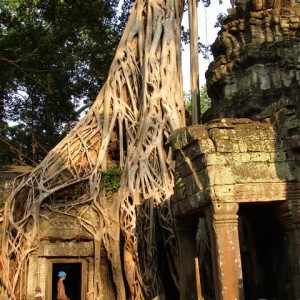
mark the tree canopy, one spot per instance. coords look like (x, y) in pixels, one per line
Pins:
(54, 57)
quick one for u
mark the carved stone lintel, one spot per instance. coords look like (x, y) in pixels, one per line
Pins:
(64, 249)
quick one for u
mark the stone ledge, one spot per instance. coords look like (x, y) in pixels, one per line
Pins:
(256, 192)
(238, 193)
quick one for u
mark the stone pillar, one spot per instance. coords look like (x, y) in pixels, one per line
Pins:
(186, 237)
(223, 226)
(289, 216)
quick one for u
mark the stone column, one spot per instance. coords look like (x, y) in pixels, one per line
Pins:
(186, 237)
(223, 226)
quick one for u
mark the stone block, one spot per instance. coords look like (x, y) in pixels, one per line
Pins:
(178, 139)
(206, 146)
(180, 158)
(198, 200)
(219, 133)
(220, 123)
(293, 142)
(261, 145)
(61, 227)
(192, 150)
(225, 146)
(197, 132)
(215, 159)
(219, 175)
(292, 123)
(239, 158)
(198, 148)
(261, 172)
(199, 163)
(194, 183)
(203, 177)
(185, 169)
(260, 156)
(179, 188)
(180, 208)
(285, 172)
(191, 204)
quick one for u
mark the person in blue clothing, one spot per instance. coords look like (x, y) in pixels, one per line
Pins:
(61, 293)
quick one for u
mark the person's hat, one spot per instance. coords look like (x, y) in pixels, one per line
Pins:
(62, 274)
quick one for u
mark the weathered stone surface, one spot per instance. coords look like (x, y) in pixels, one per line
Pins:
(255, 64)
(61, 227)
(240, 163)
(245, 153)
(66, 248)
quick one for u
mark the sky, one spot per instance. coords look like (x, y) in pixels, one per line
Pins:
(207, 17)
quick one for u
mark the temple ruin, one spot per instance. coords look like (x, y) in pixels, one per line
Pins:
(239, 171)
(236, 200)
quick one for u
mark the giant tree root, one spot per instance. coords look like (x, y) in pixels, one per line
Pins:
(139, 106)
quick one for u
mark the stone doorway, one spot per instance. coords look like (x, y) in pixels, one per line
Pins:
(75, 282)
(263, 252)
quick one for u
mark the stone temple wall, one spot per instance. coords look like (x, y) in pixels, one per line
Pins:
(236, 174)
(237, 182)
(62, 242)
(232, 160)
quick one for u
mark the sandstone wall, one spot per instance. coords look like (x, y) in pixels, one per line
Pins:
(230, 160)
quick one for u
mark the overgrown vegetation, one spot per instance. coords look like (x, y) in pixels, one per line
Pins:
(110, 181)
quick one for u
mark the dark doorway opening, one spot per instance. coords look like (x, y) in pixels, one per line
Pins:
(263, 252)
(72, 282)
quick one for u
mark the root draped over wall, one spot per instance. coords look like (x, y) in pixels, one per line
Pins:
(137, 109)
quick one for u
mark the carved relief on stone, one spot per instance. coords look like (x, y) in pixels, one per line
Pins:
(256, 58)
(58, 249)
(61, 226)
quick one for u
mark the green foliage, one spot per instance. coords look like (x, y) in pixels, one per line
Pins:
(54, 56)
(205, 101)
(110, 181)
(6, 155)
